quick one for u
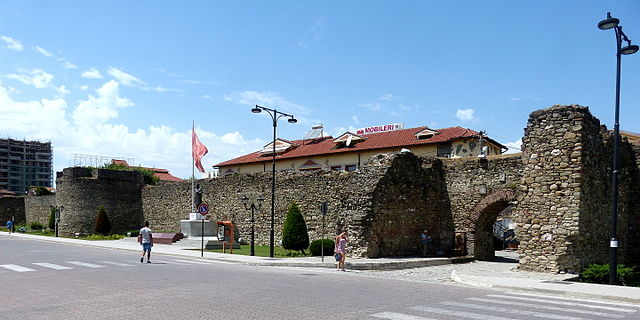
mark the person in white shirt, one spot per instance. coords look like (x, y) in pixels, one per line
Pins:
(146, 239)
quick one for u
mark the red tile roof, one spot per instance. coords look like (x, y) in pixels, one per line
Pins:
(381, 140)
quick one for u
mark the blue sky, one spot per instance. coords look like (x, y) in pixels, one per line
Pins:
(127, 78)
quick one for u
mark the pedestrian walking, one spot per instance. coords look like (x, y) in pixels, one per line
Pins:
(10, 225)
(145, 238)
(341, 248)
(426, 240)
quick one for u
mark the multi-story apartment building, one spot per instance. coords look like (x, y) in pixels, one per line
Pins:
(24, 164)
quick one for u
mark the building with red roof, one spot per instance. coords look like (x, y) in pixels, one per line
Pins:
(350, 150)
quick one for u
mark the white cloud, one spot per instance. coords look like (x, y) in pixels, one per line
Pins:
(207, 97)
(63, 90)
(162, 89)
(525, 97)
(234, 138)
(355, 119)
(125, 78)
(37, 78)
(372, 106)
(67, 64)
(97, 110)
(12, 44)
(270, 100)
(92, 73)
(43, 51)
(84, 88)
(514, 147)
(465, 115)
(387, 97)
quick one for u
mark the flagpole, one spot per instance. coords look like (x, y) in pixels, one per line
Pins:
(193, 170)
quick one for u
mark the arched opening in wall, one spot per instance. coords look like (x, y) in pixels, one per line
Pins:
(493, 227)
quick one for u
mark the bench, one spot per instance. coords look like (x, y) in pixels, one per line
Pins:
(166, 238)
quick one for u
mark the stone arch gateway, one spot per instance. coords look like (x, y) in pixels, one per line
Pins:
(482, 217)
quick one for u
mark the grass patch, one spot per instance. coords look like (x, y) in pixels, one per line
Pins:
(263, 251)
(94, 237)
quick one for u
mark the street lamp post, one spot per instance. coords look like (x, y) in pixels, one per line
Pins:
(275, 115)
(606, 24)
(245, 202)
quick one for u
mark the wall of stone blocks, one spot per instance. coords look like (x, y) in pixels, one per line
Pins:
(12, 206)
(479, 189)
(81, 191)
(37, 208)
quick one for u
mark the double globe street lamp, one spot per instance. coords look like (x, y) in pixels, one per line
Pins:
(606, 24)
(252, 206)
(275, 115)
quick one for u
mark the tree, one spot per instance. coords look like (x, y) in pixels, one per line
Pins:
(52, 218)
(294, 231)
(103, 225)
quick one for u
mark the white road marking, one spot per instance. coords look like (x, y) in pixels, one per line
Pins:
(538, 306)
(16, 268)
(117, 264)
(52, 266)
(84, 264)
(575, 304)
(193, 262)
(456, 313)
(398, 316)
(512, 311)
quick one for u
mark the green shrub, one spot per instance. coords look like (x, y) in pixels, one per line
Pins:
(36, 226)
(316, 246)
(52, 218)
(599, 273)
(147, 174)
(40, 191)
(22, 229)
(294, 230)
(103, 225)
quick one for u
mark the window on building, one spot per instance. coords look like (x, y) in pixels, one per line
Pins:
(336, 168)
(444, 150)
(350, 167)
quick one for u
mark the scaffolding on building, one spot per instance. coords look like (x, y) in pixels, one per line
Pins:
(96, 161)
(24, 164)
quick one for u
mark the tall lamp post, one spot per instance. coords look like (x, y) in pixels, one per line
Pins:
(606, 24)
(245, 202)
(275, 115)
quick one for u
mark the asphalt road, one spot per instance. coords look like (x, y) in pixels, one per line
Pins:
(42, 280)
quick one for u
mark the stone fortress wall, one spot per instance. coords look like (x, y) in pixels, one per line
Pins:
(81, 191)
(559, 189)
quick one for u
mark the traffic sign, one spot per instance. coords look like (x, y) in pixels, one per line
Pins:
(203, 208)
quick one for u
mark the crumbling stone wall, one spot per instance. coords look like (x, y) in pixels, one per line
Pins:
(479, 189)
(384, 205)
(37, 208)
(12, 206)
(564, 212)
(81, 191)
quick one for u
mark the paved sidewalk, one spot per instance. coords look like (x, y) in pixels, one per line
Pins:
(501, 274)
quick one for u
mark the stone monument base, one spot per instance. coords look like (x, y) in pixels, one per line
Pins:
(193, 228)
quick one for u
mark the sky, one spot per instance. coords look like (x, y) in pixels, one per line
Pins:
(127, 79)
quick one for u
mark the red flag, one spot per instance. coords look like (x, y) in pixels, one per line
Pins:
(198, 150)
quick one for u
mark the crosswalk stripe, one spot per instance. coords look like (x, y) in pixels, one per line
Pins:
(621, 304)
(459, 313)
(192, 262)
(51, 266)
(84, 264)
(117, 263)
(174, 262)
(513, 311)
(537, 306)
(16, 268)
(563, 303)
(398, 316)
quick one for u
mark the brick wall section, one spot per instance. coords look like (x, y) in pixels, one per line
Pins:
(478, 189)
(37, 208)
(81, 191)
(12, 206)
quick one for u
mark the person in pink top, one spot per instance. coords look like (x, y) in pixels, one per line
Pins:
(341, 248)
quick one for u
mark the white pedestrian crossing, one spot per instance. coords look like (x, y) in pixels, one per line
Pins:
(85, 264)
(52, 266)
(16, 268)
(193, 261)
(119, 264)
(399, 316)
(516, 306)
